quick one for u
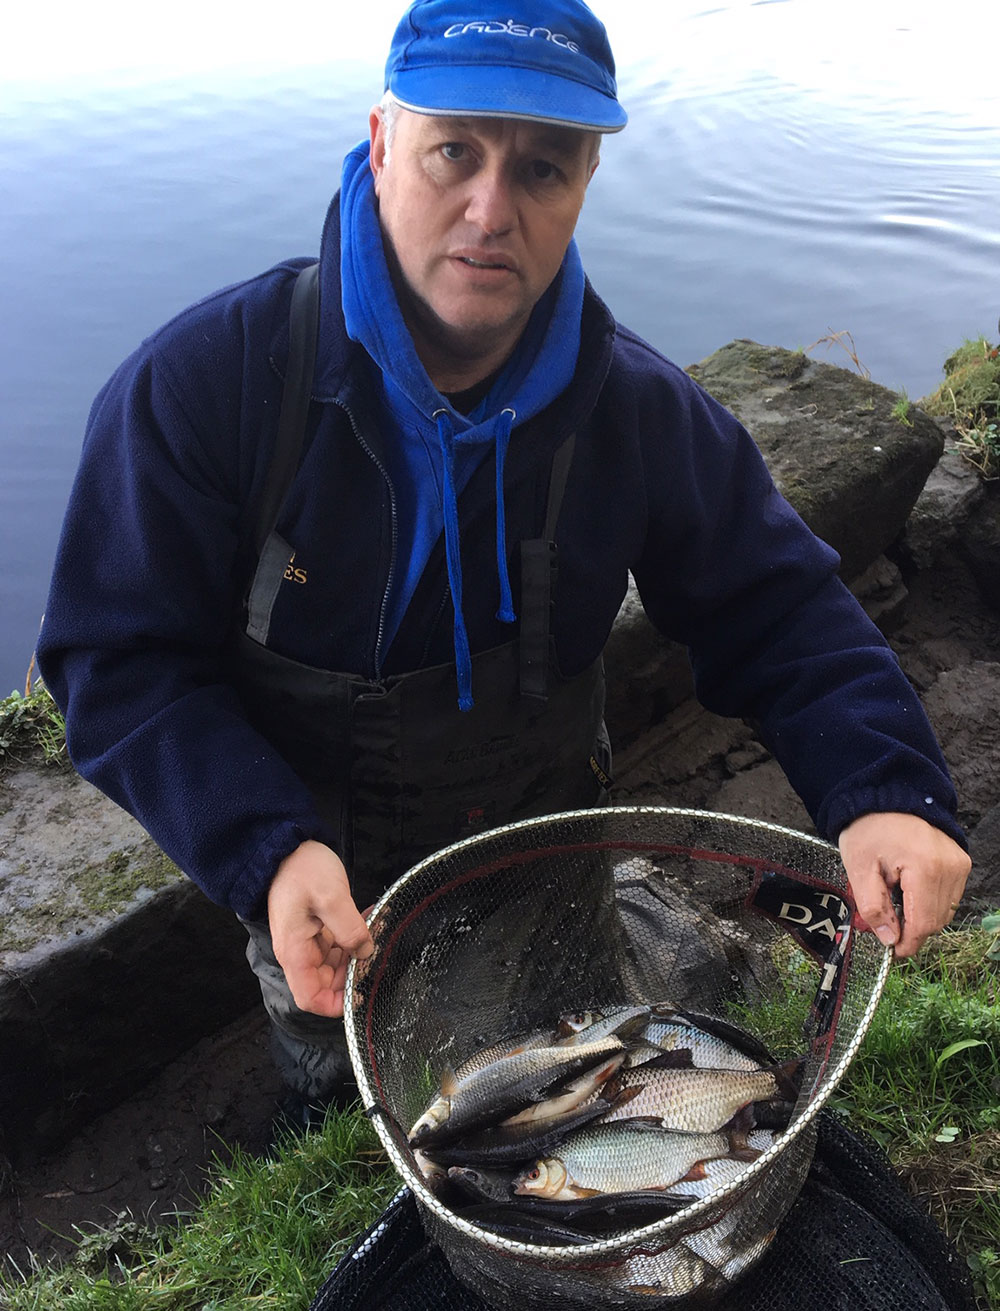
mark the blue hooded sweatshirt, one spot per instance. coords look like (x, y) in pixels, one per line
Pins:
(434, 449)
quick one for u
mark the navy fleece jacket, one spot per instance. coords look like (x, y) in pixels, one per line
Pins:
(664, 483)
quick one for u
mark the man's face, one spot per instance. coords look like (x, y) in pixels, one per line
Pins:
(477, 213)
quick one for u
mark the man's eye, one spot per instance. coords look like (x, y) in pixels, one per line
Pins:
(453, 150)
(542, 171)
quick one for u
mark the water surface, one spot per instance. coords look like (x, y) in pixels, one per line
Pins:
(791, 170)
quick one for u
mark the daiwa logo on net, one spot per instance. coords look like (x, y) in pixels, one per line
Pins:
(494, 27)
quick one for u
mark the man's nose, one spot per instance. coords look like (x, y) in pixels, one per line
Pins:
(491, 202)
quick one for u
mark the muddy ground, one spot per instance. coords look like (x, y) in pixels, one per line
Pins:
(147, 1158)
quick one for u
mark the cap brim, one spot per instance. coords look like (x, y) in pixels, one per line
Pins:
(484, 92)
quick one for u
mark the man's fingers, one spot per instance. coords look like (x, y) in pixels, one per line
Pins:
(342, 921)
(872, 898)
(316, 927)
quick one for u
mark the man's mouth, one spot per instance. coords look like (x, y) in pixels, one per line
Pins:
(481, 264)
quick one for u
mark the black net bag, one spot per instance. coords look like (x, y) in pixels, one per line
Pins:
(854, 1240)
(708, 915)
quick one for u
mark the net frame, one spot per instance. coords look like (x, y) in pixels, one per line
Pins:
(462, 1238)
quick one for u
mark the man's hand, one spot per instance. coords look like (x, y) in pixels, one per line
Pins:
(882, 851)
(315, 927)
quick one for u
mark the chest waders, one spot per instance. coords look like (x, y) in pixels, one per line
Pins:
(394, 767)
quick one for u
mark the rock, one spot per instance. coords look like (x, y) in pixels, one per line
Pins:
(881, 591)
(647, 675)
(962, 707)
(980, 544)
(952, 490)
(111, 962)
(847, 463)
(982, 892)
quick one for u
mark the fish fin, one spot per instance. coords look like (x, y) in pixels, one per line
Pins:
(697, 1171)
(449, 1082)
(643, 1122)
(632, 1025)
(788, 1077)
(679, 1058)
(624, 1096)
(609, 1070)
(748, 1154)
(611, 1088)
(736, 1134)
(742, 1122)
(772, 1115)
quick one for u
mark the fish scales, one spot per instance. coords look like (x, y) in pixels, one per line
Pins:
(708, 1052)
(694, 1100)
(617, 1158)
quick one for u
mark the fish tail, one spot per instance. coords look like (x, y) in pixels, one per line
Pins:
(736, 1132)
(788, 1077)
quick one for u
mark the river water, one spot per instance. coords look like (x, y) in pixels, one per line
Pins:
(791, 170)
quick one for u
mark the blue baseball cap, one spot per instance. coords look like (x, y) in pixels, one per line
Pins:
(545, 60)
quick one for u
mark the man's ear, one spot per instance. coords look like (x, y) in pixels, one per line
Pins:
(376, 129)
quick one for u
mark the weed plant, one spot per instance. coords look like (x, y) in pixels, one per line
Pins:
(970, 398)
(925, 1085)
(31, 728)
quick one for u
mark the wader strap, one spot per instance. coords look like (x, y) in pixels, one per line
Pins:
(538, 583)
(273, 553)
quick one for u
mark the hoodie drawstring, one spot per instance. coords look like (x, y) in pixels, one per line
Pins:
(452, 545)
(505, 423)
(453, 558)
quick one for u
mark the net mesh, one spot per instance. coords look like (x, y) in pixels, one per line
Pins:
(854, 1240)
(496, 937)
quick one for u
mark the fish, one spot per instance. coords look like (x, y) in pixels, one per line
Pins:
(480, 1093)
(629, 1156)
(524, 1226)
(513, 1142)
(595, 1215)
(714, 1043)
(697, 1100)
(676, 1273)
(588, 1026)
(572, 1094)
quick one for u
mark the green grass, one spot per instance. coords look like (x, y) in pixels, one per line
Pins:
(925, 1084)
(31, 728)
(266, 1235)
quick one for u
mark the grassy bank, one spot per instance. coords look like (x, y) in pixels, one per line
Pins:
(926, 1084)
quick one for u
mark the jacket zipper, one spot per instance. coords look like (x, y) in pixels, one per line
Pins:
(377, 673)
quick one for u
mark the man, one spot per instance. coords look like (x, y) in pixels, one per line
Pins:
(402, 669)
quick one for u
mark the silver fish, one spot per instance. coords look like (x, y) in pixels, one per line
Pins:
(714, 1043)
(618, 1158)
(588, 1026)
(695, 1100)
(707, 1051)
(572, 1094)
(514, 1142)
(483, 1094)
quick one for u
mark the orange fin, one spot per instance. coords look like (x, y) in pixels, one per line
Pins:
(697, 1171)
(449, 1084)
